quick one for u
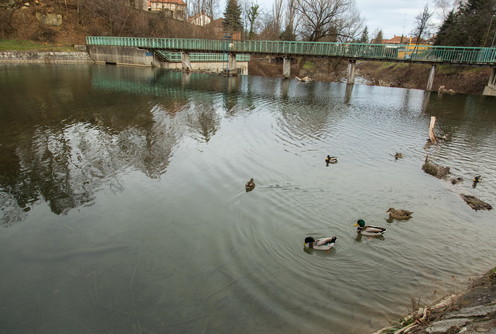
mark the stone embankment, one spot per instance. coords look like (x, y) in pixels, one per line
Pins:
(470, 312)
(48, 57)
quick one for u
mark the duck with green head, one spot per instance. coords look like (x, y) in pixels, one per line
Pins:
(324, 244)
(331, 160)
(367, 230)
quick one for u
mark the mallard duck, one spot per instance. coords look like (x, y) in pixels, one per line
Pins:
(371, 231)
(398, 156)
(331, 160)
(320, 244)
(399, 214)
(250, 185)
(477, 179)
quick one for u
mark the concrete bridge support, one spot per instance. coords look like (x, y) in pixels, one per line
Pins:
(351, 72)
(431, 78)
(185, 59)
(490, 89)
(232, 63)
(286, 67)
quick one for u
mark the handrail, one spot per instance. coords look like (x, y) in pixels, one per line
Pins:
(401, 52)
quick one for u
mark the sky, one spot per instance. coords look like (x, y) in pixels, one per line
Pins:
(393, 17)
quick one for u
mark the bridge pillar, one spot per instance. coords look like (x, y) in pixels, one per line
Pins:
(286, 67)
(232, 62)
(186, 62)
(431, 78)
(490, 89)
(351, 72)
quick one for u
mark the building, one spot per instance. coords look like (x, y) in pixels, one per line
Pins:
(403, 40)
(175, 9)
(200, 19)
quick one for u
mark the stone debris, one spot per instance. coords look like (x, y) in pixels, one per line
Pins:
(476, 203)
(434, 169)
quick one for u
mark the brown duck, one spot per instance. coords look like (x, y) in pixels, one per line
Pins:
(399, 214)
(250, 185)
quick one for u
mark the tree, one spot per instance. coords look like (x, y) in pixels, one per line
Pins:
(473, 23)
(378, 37)
(327, 19)
(232, 16)
(423, 24)
(365, 35)
(253, 13)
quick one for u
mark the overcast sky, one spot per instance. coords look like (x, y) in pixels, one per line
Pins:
(393, 17)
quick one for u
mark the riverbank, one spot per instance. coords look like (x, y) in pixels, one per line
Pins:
(45, 57)
(470, 311)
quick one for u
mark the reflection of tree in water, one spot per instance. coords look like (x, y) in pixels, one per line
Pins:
(204, 123)
(64, 163)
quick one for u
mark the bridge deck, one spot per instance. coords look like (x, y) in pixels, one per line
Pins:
(466, 56)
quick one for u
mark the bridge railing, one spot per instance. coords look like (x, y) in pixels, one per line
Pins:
(431, 54)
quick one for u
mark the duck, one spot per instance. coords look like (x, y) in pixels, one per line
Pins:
(250, 185)
(370, 231)
(399, 214)
(331, 160)
(477, 179)
(324, 244)
(398, 156)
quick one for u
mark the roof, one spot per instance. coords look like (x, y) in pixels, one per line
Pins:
(177, 2)
(198, 15)
(402, 40)
(396, 40)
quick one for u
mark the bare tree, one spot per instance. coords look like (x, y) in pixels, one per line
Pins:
(327, 19)
(207, 7)
(278, 14)
(423, 25)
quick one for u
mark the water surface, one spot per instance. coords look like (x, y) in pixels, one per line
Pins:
(123, 208)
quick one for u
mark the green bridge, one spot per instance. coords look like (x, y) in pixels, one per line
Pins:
(233, 50)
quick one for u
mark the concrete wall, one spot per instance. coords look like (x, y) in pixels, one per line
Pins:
(242, 66)
(45, 57)
(120, 55)
(139, 57)
(489, 90)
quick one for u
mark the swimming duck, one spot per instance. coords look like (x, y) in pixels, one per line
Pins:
(331, 160)
(250, 185)
(370, 231)
(399, 214)
(320, 244)
(477, 179)
(398, 156)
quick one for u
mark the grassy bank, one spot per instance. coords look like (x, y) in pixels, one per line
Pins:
(468, 80)
(20, 45)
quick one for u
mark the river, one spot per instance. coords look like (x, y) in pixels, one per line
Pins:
(124, 210)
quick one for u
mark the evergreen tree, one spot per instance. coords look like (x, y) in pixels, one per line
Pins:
(365, 35)
(378, 38)
(232, 16)
(472, 24)
(288, 34)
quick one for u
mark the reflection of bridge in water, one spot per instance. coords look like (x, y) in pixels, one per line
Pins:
(432, 55)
